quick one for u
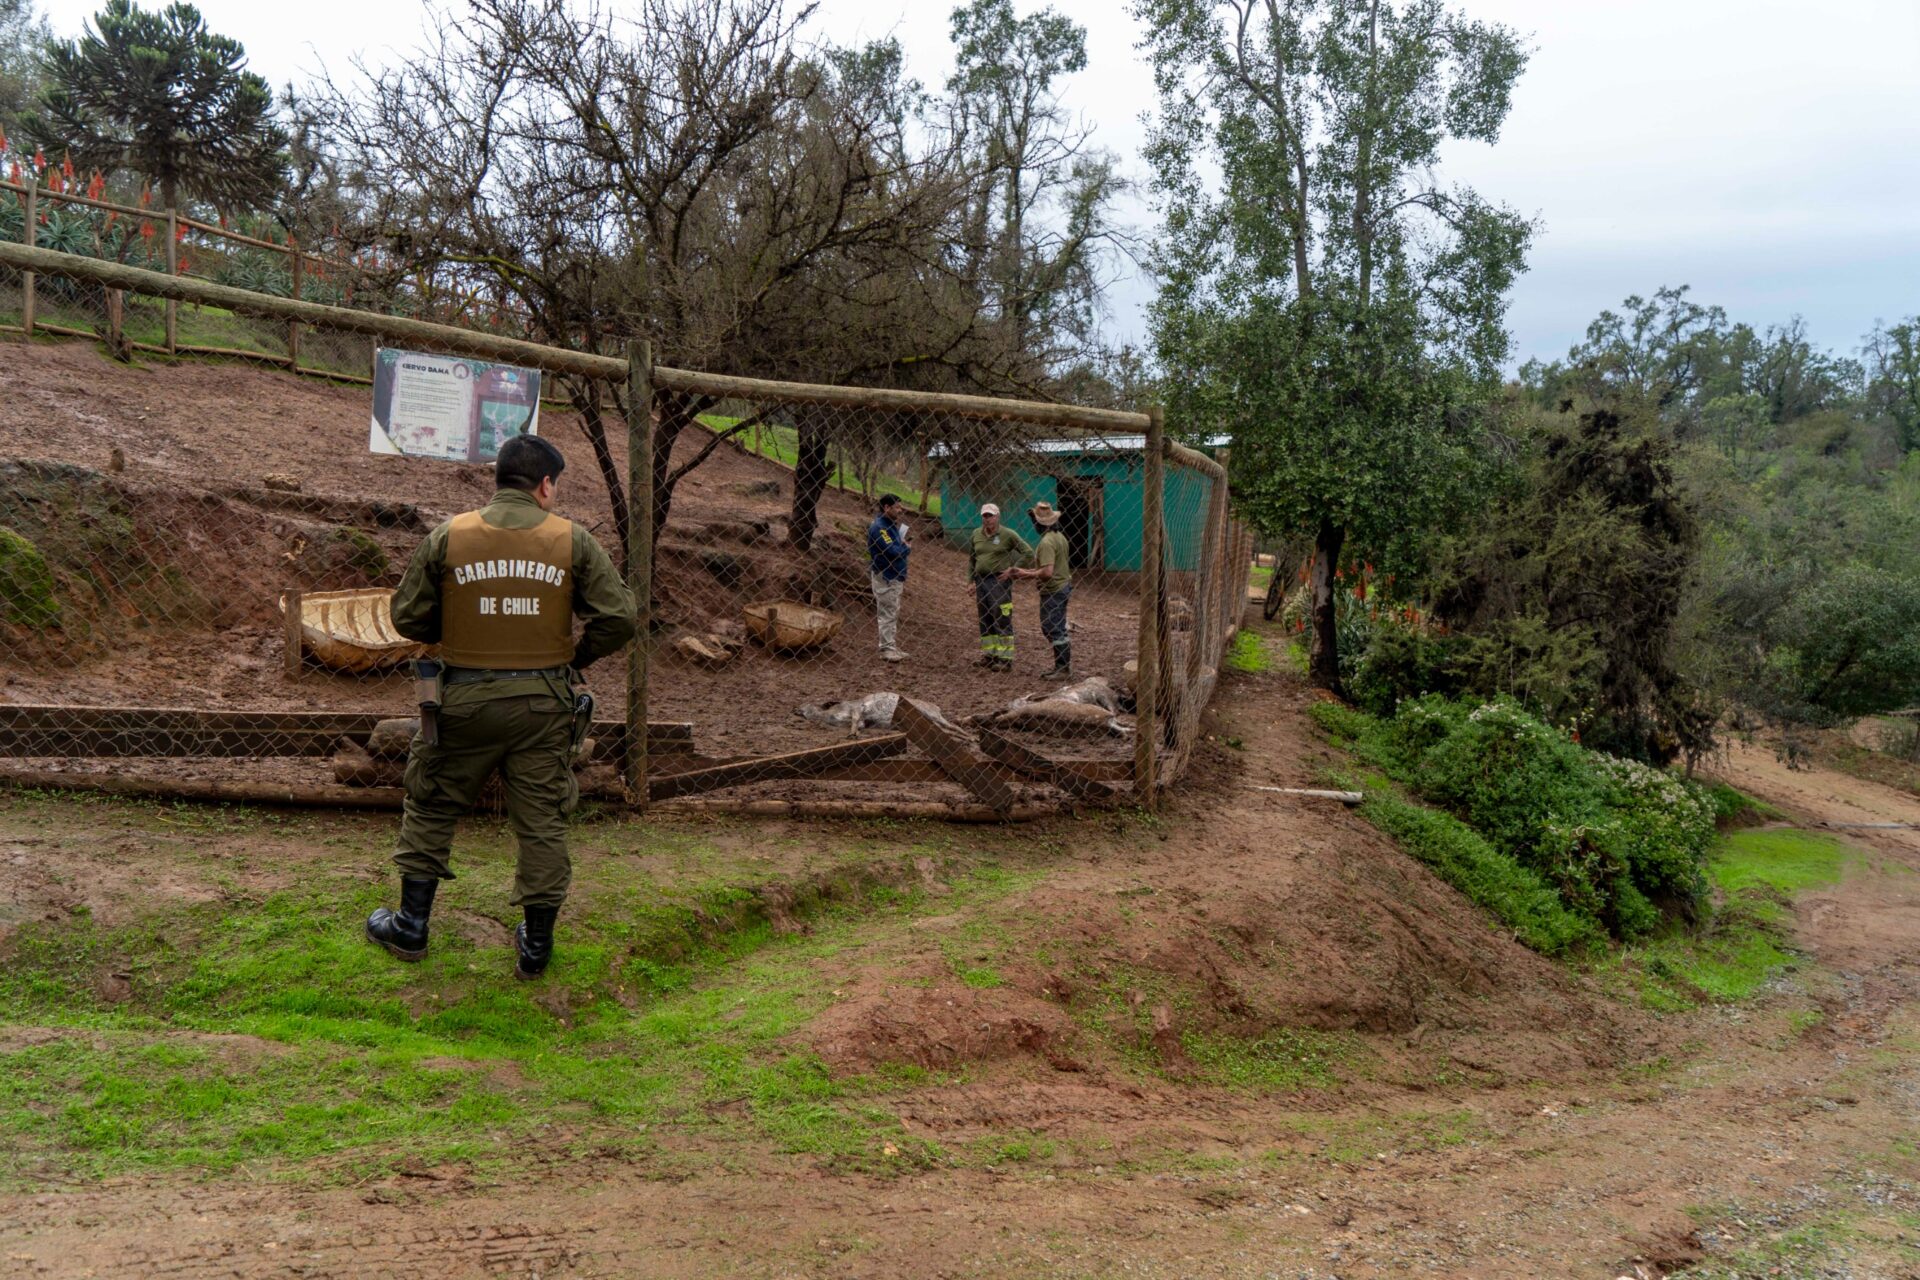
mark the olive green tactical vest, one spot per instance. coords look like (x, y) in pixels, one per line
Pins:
(506, 599)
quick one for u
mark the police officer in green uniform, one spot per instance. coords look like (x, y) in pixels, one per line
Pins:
(997, 552)
(498, 590)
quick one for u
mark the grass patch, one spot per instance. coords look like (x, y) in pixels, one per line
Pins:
(1248, 654)
(1743, 946)
(1513, 894)
(782, 445)
(1284, 1060)
(269, 1030)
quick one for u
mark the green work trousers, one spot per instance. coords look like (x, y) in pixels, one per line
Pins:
(529, 739)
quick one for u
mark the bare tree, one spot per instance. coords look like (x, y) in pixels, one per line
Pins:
(693, 174)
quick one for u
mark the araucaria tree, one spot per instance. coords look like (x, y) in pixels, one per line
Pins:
(1323, 297)
(159, 95)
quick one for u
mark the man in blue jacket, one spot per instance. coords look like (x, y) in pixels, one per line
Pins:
(887, 552)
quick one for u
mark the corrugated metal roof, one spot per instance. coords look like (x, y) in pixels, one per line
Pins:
(1107, 445)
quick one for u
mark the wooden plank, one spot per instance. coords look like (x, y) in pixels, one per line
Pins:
(792, 764)
(947, 750)
(1029, 761)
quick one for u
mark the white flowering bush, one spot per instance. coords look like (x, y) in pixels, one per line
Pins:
(1622, 842)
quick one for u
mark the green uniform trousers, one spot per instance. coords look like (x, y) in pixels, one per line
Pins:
(530, 741)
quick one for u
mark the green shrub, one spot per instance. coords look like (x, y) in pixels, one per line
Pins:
(1620, 842)
(1403, 662)
(1620, 839)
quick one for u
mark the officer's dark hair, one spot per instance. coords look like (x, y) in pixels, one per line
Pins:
(888, 499)
(525, 461)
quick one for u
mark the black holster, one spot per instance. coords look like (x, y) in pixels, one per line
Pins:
(428, 676)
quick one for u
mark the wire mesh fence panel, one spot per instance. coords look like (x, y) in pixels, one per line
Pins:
(196, 572)
(796, 611)
(204, 595)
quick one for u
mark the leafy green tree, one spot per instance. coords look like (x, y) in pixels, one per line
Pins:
(22, 35)
(158, 94)
(1324, 296)
(1040, 221)
(1568, 592)
(1893, 362)
(1848, 647)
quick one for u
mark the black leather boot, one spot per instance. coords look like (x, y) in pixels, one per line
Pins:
(404, 932)
(534, 941)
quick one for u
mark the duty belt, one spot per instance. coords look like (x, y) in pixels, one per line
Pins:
(478, 675)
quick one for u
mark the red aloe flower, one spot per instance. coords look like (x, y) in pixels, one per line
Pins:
(39, 160)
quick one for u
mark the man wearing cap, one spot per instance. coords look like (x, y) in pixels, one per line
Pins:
(1052, 572)
(997, 553)
(887, 552)
(498, 590)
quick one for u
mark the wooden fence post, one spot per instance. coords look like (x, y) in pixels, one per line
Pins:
(116, 315)
(295, 640)
(639, 560)
(293, 326)
(1146, 686)
(173, 269)
(27, 278)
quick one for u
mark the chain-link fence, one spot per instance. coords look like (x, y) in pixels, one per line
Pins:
(202, 608)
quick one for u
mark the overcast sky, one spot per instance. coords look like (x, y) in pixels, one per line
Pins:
(1763, 151)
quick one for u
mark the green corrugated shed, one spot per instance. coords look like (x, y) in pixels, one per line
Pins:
(1096, 485)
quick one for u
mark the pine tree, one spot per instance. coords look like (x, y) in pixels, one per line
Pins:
(158, 94)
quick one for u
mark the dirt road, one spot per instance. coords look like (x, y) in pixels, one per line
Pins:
(1504, 1118)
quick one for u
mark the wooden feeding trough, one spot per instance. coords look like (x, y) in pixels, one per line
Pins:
(350, 631)
(788, 626)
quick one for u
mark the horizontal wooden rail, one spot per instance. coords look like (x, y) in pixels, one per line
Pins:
(399, 328)
(1186, 457)
(115, 275)
(1035, 411)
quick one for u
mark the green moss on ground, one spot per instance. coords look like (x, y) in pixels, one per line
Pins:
(26, 583)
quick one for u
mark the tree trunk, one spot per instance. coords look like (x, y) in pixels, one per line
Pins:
(588, 404)
(810, 475)
(1323, 663)
(677, 409)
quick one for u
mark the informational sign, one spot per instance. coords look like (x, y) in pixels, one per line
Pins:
(428, 406)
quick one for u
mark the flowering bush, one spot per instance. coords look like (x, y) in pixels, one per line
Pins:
(1621, 841)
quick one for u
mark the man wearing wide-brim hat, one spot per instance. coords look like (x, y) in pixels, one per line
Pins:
(1052, 572)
